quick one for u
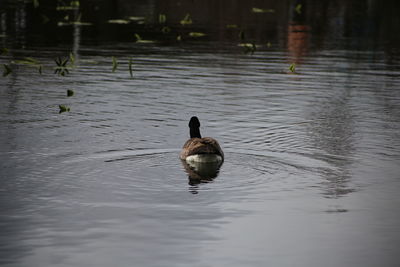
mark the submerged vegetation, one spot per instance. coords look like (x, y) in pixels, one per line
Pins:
(144, 30)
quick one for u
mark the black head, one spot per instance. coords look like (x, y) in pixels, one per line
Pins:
(194, 122)
(194, 125)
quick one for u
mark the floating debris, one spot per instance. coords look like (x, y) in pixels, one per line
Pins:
(140, 40)
(29, 62)
(64, 108)
(292, 67)
(115, 64)
(196, 34)
(298, 8)
(248, 47)
(61, 68)
(186, 20)
(7, 70)
(137, 18)
(166, 29)
(70, 92)
(162, 18)
(261, 10)
(119, 21)
(130, 67)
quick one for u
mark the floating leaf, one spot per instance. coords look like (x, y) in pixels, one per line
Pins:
(115, 64)
(249, 47)
(166, 29)
(162, 18)
(186, 20)
(232, 26)
(72, 59)
(130, 67)
(27, 61)
(196, 34)
(70, 92)
(179, 38)
(298, 8)
(64, 108)
(269, 44)
(75, 3)
(118, 21)
(292, 67)
(7, 70)
(137, 18)
(61, 68)
(261, 10)
(138, 37)
(81, 23)
(140, 40)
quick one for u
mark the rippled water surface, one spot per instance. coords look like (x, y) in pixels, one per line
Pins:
(310, 178)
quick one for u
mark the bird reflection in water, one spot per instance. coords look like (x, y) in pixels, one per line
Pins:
(201, 172)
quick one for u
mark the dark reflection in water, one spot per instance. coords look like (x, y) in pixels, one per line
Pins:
(311, 155)
(201, 172)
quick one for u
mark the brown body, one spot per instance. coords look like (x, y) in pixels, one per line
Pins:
(198, 146)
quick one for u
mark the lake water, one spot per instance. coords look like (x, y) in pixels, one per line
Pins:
(312, 157)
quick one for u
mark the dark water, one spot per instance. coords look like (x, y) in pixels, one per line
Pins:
(311, 175)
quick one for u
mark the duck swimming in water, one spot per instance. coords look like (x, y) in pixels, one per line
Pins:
(198, 149)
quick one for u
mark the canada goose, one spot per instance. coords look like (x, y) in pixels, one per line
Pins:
(200, 149)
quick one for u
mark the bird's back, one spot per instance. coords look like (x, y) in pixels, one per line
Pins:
(200, 146)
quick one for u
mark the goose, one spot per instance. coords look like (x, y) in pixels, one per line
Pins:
(198, 149)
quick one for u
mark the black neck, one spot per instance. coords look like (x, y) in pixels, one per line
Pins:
(195, 132)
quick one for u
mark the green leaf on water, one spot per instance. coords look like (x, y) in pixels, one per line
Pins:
(186, 20)
(70, 92)
(261, 10)
(298, 8)
(292, 67)
(249, 47)
(196, 34)
(75, 3)
(64, 108)
(166, 29)
(115, 64)
(138, 37)
(7, 70)
(130, 67)
(136, 18)
(62, 68)
(27, 61)
(118, 21)
(162, 18)
(72, 58)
